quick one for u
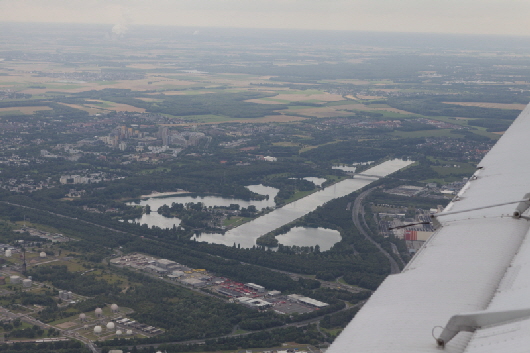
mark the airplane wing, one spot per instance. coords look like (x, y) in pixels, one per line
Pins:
(468, 288)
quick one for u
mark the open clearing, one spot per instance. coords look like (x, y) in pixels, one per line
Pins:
(81, 107)
(149, 83)
(514, 106)
(324, 112)
(65, 325)
(298, 96)
(184, 93)
(427, 133)
(25, 110)
(347, 109)
(266, 101)
(213, 119)
(116, 106)
(377, 107)
(326, 97)
(369, 97)
(149, 99)
(272, 119)
(106, 106)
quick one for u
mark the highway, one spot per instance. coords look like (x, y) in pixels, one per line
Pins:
(295, 324)
(358, 210)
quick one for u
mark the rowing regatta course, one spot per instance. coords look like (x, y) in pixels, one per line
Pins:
(246, 234)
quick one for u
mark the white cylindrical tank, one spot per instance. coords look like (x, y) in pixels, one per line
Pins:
(14, 279)
(98, 312)
(26, 283)
(118, 332)
(8, 253)
(129, 332)
(110, 326)
(114, 308)
(85, 327)
(42, 254)
(82, 316)
(97, 330)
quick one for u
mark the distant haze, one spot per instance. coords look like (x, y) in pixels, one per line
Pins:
(435, 16)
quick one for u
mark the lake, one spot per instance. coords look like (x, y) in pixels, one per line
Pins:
(246, 234)
(302, 236)
(155, 219)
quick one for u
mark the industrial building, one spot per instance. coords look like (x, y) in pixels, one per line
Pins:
(254, 302)
(306, 300)
(166, 264)
(156, 269)
(195, 282)
(256, 287)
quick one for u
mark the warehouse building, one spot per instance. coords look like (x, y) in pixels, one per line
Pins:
(255, 287)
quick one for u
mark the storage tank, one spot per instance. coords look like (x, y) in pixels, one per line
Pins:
(110, 326)
(26, 283)
(129, 332)
(14, 279)
(8, 253)
(42, 255)
(97, 330)
(118, 332)
(98, 312)
(114, 308)
(82, 316)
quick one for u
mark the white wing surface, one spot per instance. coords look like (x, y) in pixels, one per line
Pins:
(478, 261)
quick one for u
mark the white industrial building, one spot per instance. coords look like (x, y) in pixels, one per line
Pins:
(165, 263)
(254, 302)
(256, 287)
(306, 300)
(194, 282)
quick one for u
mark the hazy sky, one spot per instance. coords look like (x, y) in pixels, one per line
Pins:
(441, 16)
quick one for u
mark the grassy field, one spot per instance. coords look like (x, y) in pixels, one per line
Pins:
(11, 112)
(20, 224)
(513, 106)
(298, 195)
(23, 110)
(333, 332)
(462, 168)
(286, 144)
(426, 133)
(308, 148)
(235, 221)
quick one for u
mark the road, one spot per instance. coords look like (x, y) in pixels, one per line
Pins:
(295, 324)
(293, 275)
(201, 341)
(395, 249)
(358, 210)
(326, 284)
(33, 321)
(68, 217)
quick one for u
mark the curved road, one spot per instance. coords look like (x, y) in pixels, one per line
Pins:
(359, 209)
(296, 324)
(200, 341)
